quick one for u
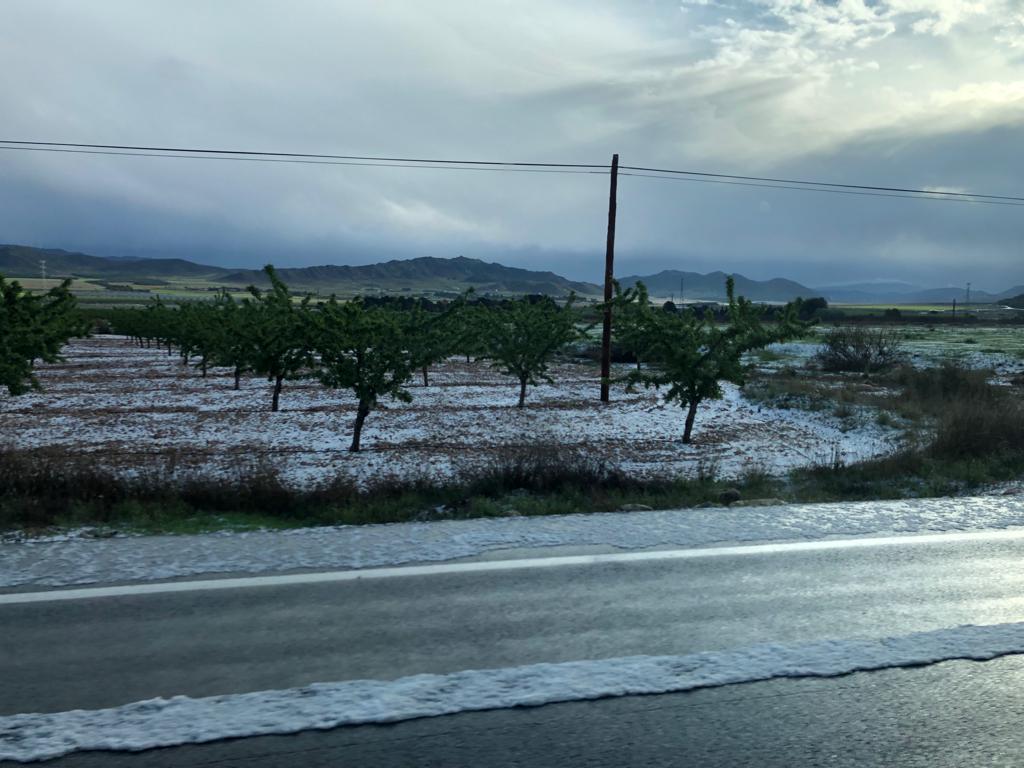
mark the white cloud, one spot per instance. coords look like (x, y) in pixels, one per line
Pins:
(421, 219)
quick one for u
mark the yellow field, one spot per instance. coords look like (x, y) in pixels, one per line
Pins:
(38, 284)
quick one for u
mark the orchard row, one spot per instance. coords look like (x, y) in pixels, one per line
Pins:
(375, 349)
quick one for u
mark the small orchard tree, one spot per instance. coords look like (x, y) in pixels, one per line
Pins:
(369, 351)
(692, 355)
(164, 323)
(34, 328)
(470, 329)
(280, 334)
(200, 333)
(524, 335)
(236, 344)
(434, 336)
(631, 320)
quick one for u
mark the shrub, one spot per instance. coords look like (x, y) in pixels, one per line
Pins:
(543, 468)
(860, 350)
(948, 382)
(976, 429)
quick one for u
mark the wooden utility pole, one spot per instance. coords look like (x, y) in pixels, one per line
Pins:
(609, 272)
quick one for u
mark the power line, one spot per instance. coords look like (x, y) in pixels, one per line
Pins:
(831, 191)
(297, 161)
(307, 155)
(930, 192)
(308, 158)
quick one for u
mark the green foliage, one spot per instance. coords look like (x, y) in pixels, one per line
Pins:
(632, 320)
(279, 333)
(692, 355)
(34, 328)
(809, 309)
(469, 330)
(235, 344)
(524, 335)
(368, 351)
(433, 335)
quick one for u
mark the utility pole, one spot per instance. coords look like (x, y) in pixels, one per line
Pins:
(42, 270)
(682, 296)
(967, 301)
(609, 272)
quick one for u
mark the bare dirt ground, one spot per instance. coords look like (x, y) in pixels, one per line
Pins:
(132, 407)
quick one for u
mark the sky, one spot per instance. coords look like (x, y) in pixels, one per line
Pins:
(918, 93)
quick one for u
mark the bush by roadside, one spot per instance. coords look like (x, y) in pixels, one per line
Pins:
(859, 350)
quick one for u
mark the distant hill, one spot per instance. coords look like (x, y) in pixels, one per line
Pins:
(23, 261)
(432, 275)
(711, 287)
(410, 275)
(1013, 297)
(867, 293)
(414, 274)
(905, 293)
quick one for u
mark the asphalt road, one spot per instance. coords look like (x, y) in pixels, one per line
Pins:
(103, 652)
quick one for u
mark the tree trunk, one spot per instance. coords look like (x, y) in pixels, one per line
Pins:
(203, 366)
(277, 393)
(426, 383)
(238, 378)
(691, 414)
(638, 362)
(357, 429)
(522, 393)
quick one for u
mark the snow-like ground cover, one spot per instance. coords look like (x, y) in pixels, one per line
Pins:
(182, 720)
(148, 558)
(136, 408)
(1000, 348)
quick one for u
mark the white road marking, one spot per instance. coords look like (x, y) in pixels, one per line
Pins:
(324, 577)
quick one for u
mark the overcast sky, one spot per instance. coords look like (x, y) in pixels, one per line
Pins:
(894, 92)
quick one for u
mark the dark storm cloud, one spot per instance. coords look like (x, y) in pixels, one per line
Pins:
(894, 92)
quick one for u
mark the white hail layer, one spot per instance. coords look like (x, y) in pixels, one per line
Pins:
(183, 720)
(148, 558)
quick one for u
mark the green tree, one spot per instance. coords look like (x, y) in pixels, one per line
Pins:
(279, 331)
(524, 335)
(470, 330)
(692, 355)
(435, 337)
(34, 328)
(631, 319)
(369, 351)
(200, 333)
(236, 345)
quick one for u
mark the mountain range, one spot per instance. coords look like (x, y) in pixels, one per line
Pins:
(431, 274)
(906, 293)
(411, 275)
(690, 286)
